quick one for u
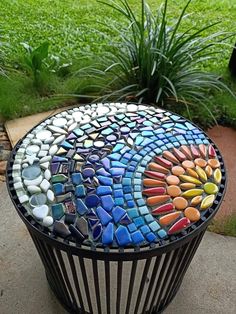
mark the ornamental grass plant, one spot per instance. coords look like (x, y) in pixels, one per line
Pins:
(151, 60)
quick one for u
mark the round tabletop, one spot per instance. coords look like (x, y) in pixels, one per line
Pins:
(117, 175)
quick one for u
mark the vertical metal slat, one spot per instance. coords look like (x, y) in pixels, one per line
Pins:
(96, 285)
(161, 274)
(76, 282)
(85, 281)
(131, 286)
(108, 289)
(119, 283)
(169, 272)
(141, 288)
(151, 283)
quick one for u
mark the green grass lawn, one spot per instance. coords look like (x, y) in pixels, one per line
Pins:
(225, 227)
(69, 26)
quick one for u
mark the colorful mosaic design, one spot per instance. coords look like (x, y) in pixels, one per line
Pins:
(116, 174)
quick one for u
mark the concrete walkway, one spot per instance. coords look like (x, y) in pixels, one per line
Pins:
(209, 286)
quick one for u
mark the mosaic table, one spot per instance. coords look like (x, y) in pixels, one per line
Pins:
(122, 183)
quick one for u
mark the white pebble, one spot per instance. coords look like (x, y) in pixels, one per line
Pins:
(42, 153)
(50, 196)
(44, 159)
(47, 221)
(53, 150)
(59, 139)
(32, 189)
(23, 199)
(40, 212)
(45, 185)
(18, 185)
(36, 142)
(49, 140)
(16, 167)
(72, 126)
(45, 165)
(36, 181)
(45, 147)
(56, 129)
(47, 174)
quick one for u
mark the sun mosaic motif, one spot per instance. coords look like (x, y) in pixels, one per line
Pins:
(117, 175)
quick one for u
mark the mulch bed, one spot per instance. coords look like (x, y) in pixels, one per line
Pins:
(5, 149)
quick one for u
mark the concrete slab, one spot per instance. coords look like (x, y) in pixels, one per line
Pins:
(17, 128)
(208, 287)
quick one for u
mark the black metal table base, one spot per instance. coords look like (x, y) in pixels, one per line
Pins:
(145, 284)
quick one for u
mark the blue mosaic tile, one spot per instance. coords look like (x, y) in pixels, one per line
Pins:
(103, 172)
(118, 164)
(58, 188)
(123, 236)
(67, 145)
(154, 226)
(137, 237)
(81, 207)
(92, 200)
(57, 211)
(132, 227)
(115, 156)
(117, 186)
(125, 220)
(118, 193)
(107, 202)
(117, 171)
(139, 221)
(149, 218)
(145, 229)
(103, 215)
(127, 189)
(130, 204)
(92, 222)
(129, 174)
(78, 132)
(107, 131)
(143, 210)
(106, 163)
(141, 202)
(118, 212)
(133, 213)
(88, 172)
(162, 234)
(104, 190)
(105, 180)
(97, 232)
(151, 237)
(123, 151)
(137, 195)
(108, 234)
(80, 191)
(128, 197)
(119, 201)
(137, 181)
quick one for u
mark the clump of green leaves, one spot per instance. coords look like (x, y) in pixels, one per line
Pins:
(154, 62)
(35, 63)
(41, 64)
